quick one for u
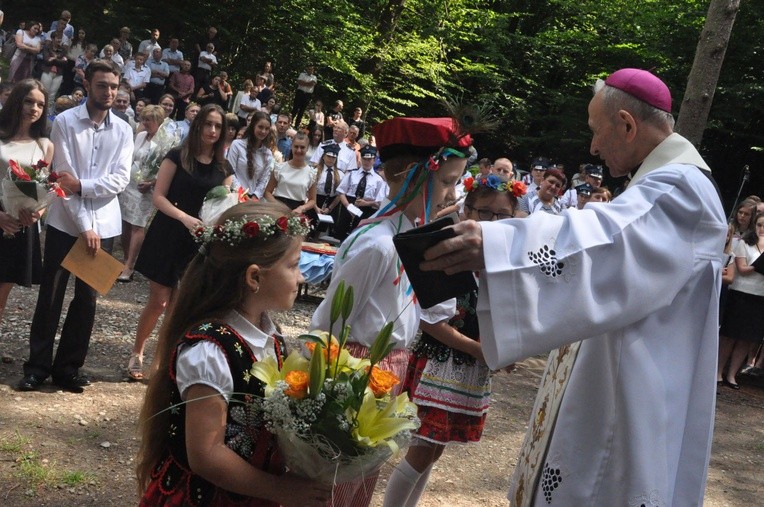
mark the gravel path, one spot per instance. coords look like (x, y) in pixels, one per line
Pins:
(63, 449)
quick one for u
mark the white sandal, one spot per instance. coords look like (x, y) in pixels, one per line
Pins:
(135, 366)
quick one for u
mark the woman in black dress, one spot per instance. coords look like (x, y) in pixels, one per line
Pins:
(186, 175)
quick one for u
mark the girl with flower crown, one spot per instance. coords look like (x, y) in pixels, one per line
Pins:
(449, 410)
(203, 439)
(423, 160)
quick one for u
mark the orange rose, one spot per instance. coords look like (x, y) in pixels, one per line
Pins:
(298, 384)
(382, 381)
(334, 351)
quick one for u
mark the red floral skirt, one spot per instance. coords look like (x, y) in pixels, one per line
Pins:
(445, 418)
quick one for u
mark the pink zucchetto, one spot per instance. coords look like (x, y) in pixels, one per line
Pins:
(643, 85)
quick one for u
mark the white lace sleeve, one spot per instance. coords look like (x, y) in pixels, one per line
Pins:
(203, 363)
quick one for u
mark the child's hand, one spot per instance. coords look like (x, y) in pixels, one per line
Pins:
(299, 492)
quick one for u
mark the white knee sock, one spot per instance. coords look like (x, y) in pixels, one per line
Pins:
(419, 487)
(401, 484)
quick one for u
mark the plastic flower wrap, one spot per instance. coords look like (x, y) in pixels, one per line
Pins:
(217, 200)
(33, 187)
(334, 414)
(166, 138)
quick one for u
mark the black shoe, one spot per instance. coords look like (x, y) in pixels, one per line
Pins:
(30, 382)
(732, 385)
(73, 384)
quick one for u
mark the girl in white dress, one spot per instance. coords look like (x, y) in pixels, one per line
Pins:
(22, 128)
(135, 201)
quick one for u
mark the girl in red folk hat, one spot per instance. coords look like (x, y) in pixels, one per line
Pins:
(423, 159)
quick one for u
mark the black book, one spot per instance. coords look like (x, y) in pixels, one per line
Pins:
(431, 287)
(758, 264)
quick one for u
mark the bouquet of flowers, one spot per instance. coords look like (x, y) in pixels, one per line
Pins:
(33, 187)
(163, 141)
(333, 414)
(217, 200)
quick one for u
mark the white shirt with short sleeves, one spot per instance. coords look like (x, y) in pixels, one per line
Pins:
(205, 363)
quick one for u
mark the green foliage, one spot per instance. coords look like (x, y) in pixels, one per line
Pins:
(533, 61)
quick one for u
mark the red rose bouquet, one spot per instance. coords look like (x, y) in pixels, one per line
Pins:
(32, 187)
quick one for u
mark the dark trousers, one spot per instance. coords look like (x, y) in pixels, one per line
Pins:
(301, 101)
(348, 222)
(180, 109)
(78, 325)
(153, 92)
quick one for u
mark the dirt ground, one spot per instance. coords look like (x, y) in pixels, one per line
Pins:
(63, 449)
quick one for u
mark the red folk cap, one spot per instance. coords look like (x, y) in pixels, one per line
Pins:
(643, 85)
(422, 136)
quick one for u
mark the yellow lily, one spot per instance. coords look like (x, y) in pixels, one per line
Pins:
(377, 426)
(267, 370)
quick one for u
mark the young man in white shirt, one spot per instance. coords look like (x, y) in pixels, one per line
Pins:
(248, 105)
(93, 155)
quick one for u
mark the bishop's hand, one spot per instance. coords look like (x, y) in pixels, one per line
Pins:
(464, 252)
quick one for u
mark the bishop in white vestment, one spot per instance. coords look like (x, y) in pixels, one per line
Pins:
(637, 282)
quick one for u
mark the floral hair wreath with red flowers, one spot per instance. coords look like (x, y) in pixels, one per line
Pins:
(233, 232)
(516, 188)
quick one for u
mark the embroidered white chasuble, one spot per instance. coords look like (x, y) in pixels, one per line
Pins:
(637, 282)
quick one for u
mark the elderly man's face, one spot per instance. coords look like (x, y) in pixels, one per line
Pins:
(339, 133)
(607, 143)
(121, 103)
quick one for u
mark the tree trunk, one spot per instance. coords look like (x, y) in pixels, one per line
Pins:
(709, 56)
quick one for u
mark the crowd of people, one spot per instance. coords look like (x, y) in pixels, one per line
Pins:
(139, 136)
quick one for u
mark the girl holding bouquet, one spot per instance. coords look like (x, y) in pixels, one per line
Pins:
(423, 159)
(185, 176)
(450, 411)
(23, 123)
(203, 440)
(135, 200)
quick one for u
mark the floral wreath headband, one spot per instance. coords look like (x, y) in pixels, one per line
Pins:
(516, 188)
(233, 232)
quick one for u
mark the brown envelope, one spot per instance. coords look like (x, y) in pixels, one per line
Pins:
(99, 271)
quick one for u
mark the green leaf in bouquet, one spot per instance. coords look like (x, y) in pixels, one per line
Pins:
(381, 346)
(342, 440)
(337, 301)
(347, 303)
(217, 192)
(359, 383)
(344, 336)
(28, 188)
(317, 371)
